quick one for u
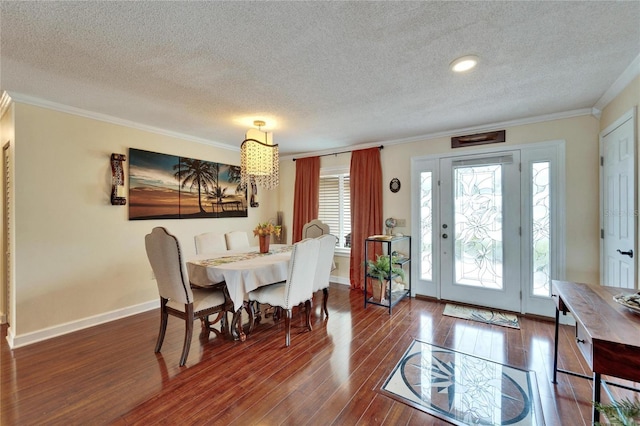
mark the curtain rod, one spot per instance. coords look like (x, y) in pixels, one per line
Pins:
(336, 153)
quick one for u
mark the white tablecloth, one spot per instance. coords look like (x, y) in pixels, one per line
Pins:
(241, 276)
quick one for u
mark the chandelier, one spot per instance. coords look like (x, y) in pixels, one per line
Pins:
(259, 160)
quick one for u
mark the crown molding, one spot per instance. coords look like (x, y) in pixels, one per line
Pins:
(453, 132)
(26, 99)
(5, 101)
(632, 71)
(7, 98)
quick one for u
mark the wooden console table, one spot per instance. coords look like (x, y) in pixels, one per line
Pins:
(607, 333)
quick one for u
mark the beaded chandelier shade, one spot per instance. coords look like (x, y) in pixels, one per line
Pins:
(259, 159)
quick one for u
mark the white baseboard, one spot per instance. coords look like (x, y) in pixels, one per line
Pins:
(340, 280)
(16, 341)
(10, 336)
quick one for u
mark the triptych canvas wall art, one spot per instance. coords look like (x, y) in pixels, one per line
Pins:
(163, 186)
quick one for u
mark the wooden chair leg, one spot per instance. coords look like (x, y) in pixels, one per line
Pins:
(287, 326)
(325, 293)
(218, 317)
(188, 332)
(308, 306)
(164, 318)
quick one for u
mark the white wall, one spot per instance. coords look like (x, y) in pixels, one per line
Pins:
(78, 259)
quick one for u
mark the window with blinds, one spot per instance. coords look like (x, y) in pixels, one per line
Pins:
(335, 206)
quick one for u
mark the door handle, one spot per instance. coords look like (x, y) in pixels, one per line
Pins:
(626, 253)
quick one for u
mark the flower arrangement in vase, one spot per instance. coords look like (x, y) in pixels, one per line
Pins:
(264, 231)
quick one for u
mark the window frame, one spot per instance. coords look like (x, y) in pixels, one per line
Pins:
(339, 171)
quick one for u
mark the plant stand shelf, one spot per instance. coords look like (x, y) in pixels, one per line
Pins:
(391, 295)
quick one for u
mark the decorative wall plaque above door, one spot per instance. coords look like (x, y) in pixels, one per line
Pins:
(479, 139)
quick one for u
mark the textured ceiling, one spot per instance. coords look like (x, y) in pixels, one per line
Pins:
(324, 75)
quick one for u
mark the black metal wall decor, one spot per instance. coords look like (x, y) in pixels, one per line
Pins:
(117, 180)
(394, 185)
(254, 194)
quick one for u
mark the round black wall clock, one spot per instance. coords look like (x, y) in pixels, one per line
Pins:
(394, 185)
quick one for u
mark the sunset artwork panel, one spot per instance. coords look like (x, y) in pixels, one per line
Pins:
(163, 186)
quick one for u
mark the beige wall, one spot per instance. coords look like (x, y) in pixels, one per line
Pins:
(627, 99)
(77, 256)
(581, 136)
(79, 260)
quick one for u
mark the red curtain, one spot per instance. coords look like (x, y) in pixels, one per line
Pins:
(306, 196)
(366, 207)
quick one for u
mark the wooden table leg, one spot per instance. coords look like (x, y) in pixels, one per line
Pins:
(224, 325)
(237, 330)
(249, 307)
(236, 326)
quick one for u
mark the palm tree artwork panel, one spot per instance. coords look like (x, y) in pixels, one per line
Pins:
(163, 186)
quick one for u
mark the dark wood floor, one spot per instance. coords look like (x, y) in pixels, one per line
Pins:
(109, 374)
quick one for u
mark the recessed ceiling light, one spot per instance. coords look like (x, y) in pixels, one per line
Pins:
(464, 64)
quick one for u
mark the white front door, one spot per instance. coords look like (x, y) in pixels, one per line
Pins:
(618, 204)
(479, 230)
(488, 227)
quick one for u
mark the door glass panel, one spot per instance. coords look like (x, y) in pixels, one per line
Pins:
(541, 209)
(426, 226)
(478, 226)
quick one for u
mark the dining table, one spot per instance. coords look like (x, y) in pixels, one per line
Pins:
(243, 271)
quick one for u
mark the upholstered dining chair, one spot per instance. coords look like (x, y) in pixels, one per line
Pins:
(314, 229)
(177, 298)
(297, 289)
(210, 242)
(237, 240)
(325, 264)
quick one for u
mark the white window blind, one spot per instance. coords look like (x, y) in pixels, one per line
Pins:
(335, 205)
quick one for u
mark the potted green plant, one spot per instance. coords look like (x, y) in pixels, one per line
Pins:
(379, 269)
(622, 413)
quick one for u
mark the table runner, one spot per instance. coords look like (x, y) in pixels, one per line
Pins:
(239, 257)
(243, 272)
